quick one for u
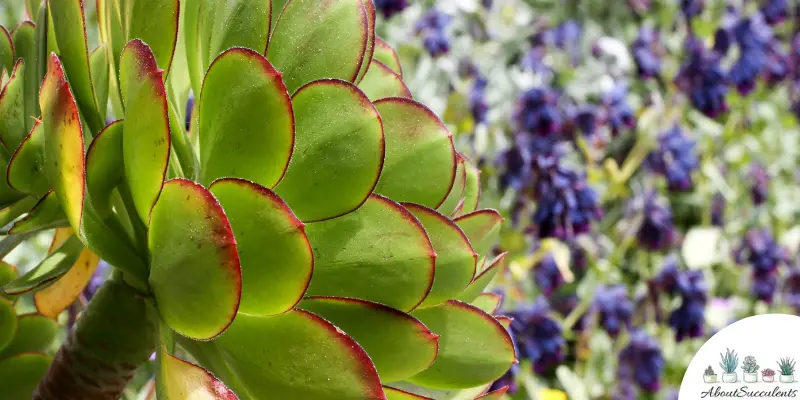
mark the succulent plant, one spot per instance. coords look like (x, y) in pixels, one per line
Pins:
(768, 372)
(786, 366)
(749, 365)
(729, 361)
(314, 235)
(709, 371)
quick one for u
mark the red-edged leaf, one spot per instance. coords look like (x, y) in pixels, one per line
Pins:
(386, 54)
(381, 82)
(494, 395)
(12, 109)
(483, 280)
(456, 196)
(104, 166)
(178, 379)
(54, 299)
(488, 302)
(472, 189)
(504, 320)
(369, 50)
(482, 228)
(397, 394)
(46, 214)
(26, 169)
(6, 51)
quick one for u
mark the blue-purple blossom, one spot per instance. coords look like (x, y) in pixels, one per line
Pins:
(645, 53)
(432, 27)
(538, 336)
(614, 309)
(688, 320)
(656, 231)
(390, 7)
(701, 77)
(537, 112)
(546, 275)
(675, 159)
(642, 362)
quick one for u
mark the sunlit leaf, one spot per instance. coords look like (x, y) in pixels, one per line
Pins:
(51, 268)
(104, 166)
(397, 394)
(25, 171)
(178, 379)
(54, 299)
(483, 279)
(488, 302)
(472, 189)
(386, 54)
(482, 228)
(20, 374)
(456, 196)
(46, 214)
(381, 82)
(6, 51)
(35, 333)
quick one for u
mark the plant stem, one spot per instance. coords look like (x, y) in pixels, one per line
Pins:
(117, 332)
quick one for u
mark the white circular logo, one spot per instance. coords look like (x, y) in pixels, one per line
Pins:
(755, 358)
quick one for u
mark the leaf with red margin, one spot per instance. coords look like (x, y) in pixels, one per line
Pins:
(6, 51)
(399, 345)
(504, 320)
(146, 136)
(46, 214)
(8, 322)
(64, 163)
(298, 355)
(275, 254)
(483, 280)
(339, 151)
(46, 272)
(482, 228)
(494, 395)
(30, 45)
(474, 349)
(35, 333)
(20, 374)
(32, 7)
(488, 302)
(456, 195)
(420, 163)
(472, 189)
(369, 50)
(397, 394)
(455, 260)
(54, 299)
(25, 171)
(178, 379)
(12, 109)
(381, 82)
(386, 54)
(14, 210)
(247, 127)
(379, 252)
(104, 166)
(8, 273)
(155, 22)
(195, 274)
(438, 394)
(314, 40)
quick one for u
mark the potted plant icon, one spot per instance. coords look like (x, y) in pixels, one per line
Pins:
(709, 376)
(768, 375)
(786, 366)
(750, 368)
(728, 363)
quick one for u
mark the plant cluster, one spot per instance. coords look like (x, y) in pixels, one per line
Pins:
(729, 361)
(786, 366)
(749, 365)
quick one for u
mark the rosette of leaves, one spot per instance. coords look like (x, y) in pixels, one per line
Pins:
(729, 361)
(313, 235)
(709, 371)
(786, 366)
(750, 365)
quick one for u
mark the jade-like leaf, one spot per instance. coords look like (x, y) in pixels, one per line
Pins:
(483, 280)
(455, 260)
(456, 196)
(314, 40)
(494, 395)
(30, 45)
(488, 302)
(472, 189)
(482, 228)
(178, 379)
(8, 273)
(397, 394)
(369, 50)
(8, 322)
(269, 354)
(46, 214)
(32, 7)
(146, 136)
(155, 22)
(51, 268)
(104, 166)
(99, 63)
(386, 55)
(35, 333)
(504, 320)
(195, 274)
(420, 163)
(6, 51)
(54, 299)
(339, 151)
(246, 120)
(63, 133)
(19, 375)
(15, 209)
(399, 345)
(12, 109)
(381, 82)
(443, 394)
(25, 171)
(379, 252)
(474, 348)
(275, 254)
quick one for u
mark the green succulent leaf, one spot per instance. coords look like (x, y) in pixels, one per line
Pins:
(314, 40)
(483, 280)
(397, 394)
(32, 6)
(381, 82)
(146, 136)
(246, 120)
(494, 395)
(443, 394)
(275, 254)
(399, 345)
(12, 109)
(379, 252)
(20, 374)
(7, 56)
(369, 50)
(455, 198)
(25, 171)
(54, 299)
(63, 133)
(8, 322)
(482, 228)
(46, 272)
(14, 210)
(35, 333)
(472, 189)
(25, 37)
(474, 349)
(420, 163)
(455, 260)
(338, 154)
(334, 366)
(99, 66)
(46, 214)
(195, 273)
(8, 273)
(155, 22)
(386, 55)
(488, 302)
(104, 166)
(178, 379)
(504, 320)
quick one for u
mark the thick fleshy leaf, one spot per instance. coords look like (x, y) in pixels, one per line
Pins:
(30, 44)
(195, 274)
(474, 348)
(386, 54)
(275, 254)
(420, 163)
(146, 136)
(455, 260)
(399, 345)
(314, 40)
(8, 273)
(35, 333)
(32, 7)
(488, 302)
(63, 133)
(99, 63)
(379, 252)
(456, 196)
(381, 82)
(494, 395)
(155, 22)
(246, 120)
(7, 56)
(397, 394)
(104, 166)
(46, 214)
(19, 375)
(8, 322)
(442, 394)
(51, 268)
(482, 228)
(12, 109)
(483, 280)
(15, 209)
(504, 320)
(298, 344)
(178, 379)
(26, 169)
(54, 299)
(369, 50)
(338, 151)
(472, 189)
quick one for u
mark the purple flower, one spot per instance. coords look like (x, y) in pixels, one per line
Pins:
(508, 379)
(703, 80)
(566, 205)
(760, 250)
(478, 105)
(642, 362)
(791, 289)
(538, 336)
(614, 309)
(718, 210)
(97, 280)
(619, 113)
(645, 53)
(656, 231)
(689, 319)
(692, 8)
(759, 191)
(390, 7)
(565, 304)
(432, 27)
(537, 112)
(546, 275)
(675, 159)
(775, 11)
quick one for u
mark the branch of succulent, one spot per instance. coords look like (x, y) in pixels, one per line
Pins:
(324, 242)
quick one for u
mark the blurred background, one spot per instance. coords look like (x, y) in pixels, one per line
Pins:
(644, 155)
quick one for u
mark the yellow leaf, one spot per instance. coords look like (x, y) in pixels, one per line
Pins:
(551, 394)
(54, 299)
